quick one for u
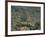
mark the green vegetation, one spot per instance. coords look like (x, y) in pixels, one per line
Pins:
(25, 18)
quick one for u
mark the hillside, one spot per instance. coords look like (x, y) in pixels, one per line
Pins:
(24, 15)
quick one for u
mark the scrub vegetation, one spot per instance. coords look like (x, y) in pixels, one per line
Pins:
(25, 18)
